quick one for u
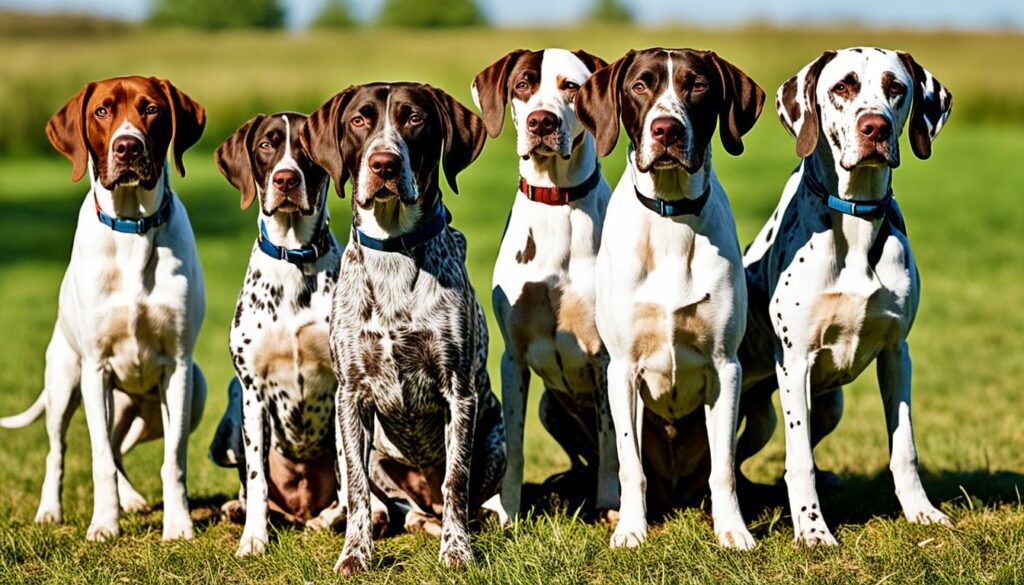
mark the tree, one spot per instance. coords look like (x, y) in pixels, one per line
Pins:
(336, 14)
(430, 13)
(218, 14)
(610, 11)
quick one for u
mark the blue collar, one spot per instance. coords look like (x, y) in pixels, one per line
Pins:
(674, 208)
(305, 255)
(137, 225)
(862, 209)
(406, 242)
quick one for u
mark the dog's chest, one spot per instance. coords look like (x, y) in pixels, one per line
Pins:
(280, 344)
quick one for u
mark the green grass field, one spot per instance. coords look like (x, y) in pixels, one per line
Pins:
(964, 218)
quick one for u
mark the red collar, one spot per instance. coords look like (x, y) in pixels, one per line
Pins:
(560, 195)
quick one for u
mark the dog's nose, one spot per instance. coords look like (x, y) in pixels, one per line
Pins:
(385, 164)
(285, 180)
(874, 127)
(126, 149)
(541, 122)
(667, 131)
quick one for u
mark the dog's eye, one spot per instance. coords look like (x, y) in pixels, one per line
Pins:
(570, 86)
(897, 89)
(266, 146)
(358, 121)
(839, 87)
(102, 112)
(699, 86)
(415, 120)
(151, 109)
(639, 87)
(522, 85)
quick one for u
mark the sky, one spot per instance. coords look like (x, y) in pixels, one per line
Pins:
(952, 14)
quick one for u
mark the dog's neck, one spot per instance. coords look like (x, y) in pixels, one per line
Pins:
(555, 171)
(295, 230)
(392, 218)
(671, 184)
(128, 201)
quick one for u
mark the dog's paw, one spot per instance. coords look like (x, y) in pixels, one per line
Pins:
(233, 511)
(455, 552)
(49, 516)
(629, 534)
(379, 523)
(251, 544)
(418, 522)
(178, 528)
(735, 537)
(102, 532)
(134, 503)
(930, 515)
(350, 565)
(609, 517)
(328, 518)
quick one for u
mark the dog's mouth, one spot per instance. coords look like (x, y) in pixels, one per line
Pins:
(872, 155)
(547, 146)
(134, 175)
(290, 202)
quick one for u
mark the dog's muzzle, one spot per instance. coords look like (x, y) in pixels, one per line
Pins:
(130, 163)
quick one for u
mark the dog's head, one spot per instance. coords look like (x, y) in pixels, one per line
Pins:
(266, 157)
(126, 126)
(542, 88)
(391, 138)
(858, 100)
(669, 101)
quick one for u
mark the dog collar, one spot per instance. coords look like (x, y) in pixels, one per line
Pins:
(305, 255)
(560, 195)
(405, 242)
(862, 209)
(666, 208)
(136, 225)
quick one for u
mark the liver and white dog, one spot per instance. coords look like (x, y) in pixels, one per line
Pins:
(833, 283)
(281, 407)
(543, 291)
(131, 302)
(408, 336)
(671, 301)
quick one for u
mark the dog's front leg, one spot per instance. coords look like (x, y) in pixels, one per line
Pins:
(607, 501)
(894, 373)
(515, 386)
(794, 392)
(459, 434)
(356, 424)
(627, 414)
(177, 414)
(721, 407)
(255, 442)
(97, 395)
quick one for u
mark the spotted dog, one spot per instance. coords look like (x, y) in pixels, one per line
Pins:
(283, 396)
(131, 303)
(671, 301)
(833, 282)
(543, 288)
(408, 337)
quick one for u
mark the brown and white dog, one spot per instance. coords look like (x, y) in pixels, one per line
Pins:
(408, 336)
(131, 302)
(278, 429)
(543, 287)
(833, 282)
(671, 300)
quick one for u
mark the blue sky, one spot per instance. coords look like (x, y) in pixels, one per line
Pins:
(969, 14)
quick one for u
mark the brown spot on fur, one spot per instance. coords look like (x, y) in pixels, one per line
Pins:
(372, 350)
(532, 315)
(691, 329)
(529, 250)
(576, 315)
(645, 254)
(649, 330)
(301, 489)
(139, 342)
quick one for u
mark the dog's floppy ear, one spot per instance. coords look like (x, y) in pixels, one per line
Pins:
(796, 102)
(463, 132)
(932, 106)
(234, 159)
(742, 99)
(321, 137)
(593, 62)
(188, 119)
(490, 91)
(598, 103)
(67, 132)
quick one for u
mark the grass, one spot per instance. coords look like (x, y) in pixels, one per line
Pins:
(965, 222)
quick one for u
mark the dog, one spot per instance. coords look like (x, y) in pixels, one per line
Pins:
(671, 301)
(543, 287)
(131, 302)
(832, 279)
(408, 336)
(282, 399)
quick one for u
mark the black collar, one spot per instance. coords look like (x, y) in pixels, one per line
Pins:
(675, 208)
(406, 242)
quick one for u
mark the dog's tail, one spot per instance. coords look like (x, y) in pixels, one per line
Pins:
(28, 417)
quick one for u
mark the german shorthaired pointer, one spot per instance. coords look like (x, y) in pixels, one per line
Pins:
(671, 301)
(132, 300)
(543, 292)
(282, 407)
(833, 283)
(408, 337)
